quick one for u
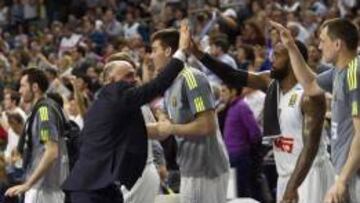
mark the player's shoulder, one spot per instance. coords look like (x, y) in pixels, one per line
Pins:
(193, 74)
(354, 64)
(357, 65)
(353, 73)
(46, 111)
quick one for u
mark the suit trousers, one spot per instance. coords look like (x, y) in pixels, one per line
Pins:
(110, 194)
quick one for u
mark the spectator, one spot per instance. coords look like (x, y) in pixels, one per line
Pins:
(242, 135)
(11, 103)
(11, 118)
(252, 34)
(30, 13)
(255, 99)
(16, 13)
(4, 14)
(315, 60)
(83, 84)
(131, 26)
(73, 110)
(69, 40)
(219, 48)
(245, 57)
(112, 26)
(56, 86)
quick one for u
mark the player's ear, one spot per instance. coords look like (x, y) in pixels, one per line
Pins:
(168, 51)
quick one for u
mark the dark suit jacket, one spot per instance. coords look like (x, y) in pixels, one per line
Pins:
(114, 138)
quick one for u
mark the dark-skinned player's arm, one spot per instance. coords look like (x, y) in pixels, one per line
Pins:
(313, 109)
(234, 78)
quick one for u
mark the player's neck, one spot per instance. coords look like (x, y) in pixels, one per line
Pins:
(37, 97)
(344, 59)
(287, 83)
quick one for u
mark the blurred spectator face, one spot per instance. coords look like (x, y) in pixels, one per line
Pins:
(160, 55)
(268, 9)
(141, 52)
(136, 42)
(75, 55)
(17, 75)
(50, 75)
(327, 46)
(314, 54)
(248, 29)
(98, 11)
(239, 42)
(66, 32)
(333, 12)
(109, 49)
(91, 72)
(130, 17)
(179, 14)
(168, 12)
(215, 50)
(291, 17)
(65, 62)
(87, 27)
(7, 90)
(81, 84)
(278, 16)
(73, 110)
(255, 6)
(26, 89)
(109, 16)
(49, 38)
(35, 46)
(52, 58)
(16, 122)
(257, 64)
(225, 95)
(56, 29)
(241, 55)
(281, 65)
(8, 103)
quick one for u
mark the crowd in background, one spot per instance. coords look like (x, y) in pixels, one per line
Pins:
(71, 40)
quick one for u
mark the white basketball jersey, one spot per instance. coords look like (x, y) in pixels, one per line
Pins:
(288, 146)
(148, 118)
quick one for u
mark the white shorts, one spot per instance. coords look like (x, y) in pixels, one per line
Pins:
(313, 189)
(146, 187)
(204, 190)
(44, 196)
(354, 189)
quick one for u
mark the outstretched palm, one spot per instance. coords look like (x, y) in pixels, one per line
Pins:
(184, 41)
(285, 34)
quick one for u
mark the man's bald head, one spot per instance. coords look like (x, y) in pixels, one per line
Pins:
(120, 70)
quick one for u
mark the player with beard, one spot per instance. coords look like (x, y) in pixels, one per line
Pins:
(302, 162)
